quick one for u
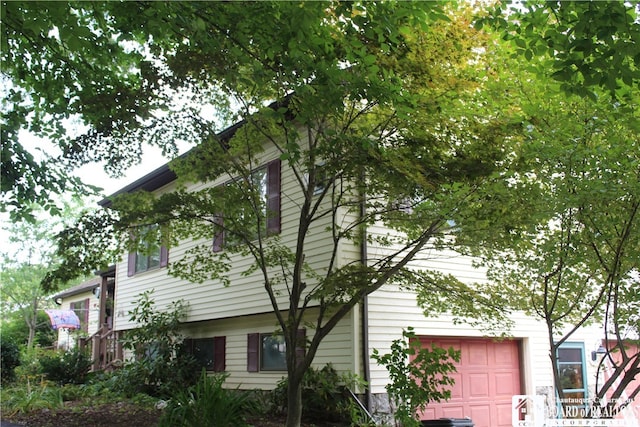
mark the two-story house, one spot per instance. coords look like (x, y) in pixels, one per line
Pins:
(231, 328)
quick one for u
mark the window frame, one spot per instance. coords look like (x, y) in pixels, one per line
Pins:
(566, 364)
(81, 309)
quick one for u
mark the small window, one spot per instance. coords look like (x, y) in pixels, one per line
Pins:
(209, 353)
(571, 367)
(150, 256)
(266, 180)
(81, 308)
(273, 353)
(267, 351)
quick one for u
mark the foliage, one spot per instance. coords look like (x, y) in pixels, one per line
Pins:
(583, 45)
(208, 403)
(68, 367)
(159, 367)
(374, 115)
(323, 395)
(10, 357)
(418, 375)
(28, 398)
(559, 243)
(18, 330)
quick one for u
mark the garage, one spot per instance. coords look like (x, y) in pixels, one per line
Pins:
(488, 375)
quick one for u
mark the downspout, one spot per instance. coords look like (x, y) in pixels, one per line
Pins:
(366, 369)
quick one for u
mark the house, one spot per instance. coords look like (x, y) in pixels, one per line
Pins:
(92, 301)
(83, 300)
(233, 326)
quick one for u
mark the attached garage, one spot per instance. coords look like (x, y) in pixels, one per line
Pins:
(487, 376)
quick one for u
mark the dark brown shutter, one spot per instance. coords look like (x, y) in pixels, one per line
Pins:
(164, 256)
(301, 344)
(87, 303)
(219, 354)
(273, 197)
(218, 238)
(253, 346)
(132, 264)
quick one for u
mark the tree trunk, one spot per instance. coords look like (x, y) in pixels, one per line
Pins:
(294, 401)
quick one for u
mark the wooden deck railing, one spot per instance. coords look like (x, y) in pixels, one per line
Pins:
(106, 349)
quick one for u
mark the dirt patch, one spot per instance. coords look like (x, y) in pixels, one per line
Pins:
(119, 414)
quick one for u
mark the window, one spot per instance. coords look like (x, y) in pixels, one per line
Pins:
(273, 353)
(267, 352)
(81, 308)
(267, 181)
(571, 367)
(151, 254)
(209, 353)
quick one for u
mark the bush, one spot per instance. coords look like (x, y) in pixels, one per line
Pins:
(71, 367)
(323, 396)
(160, 367)
(207, 403)
(418, 375)
(10, 359)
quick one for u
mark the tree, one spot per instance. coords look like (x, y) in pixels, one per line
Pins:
(375, 115)
(29, 256)
(566, 231)
(586, 45)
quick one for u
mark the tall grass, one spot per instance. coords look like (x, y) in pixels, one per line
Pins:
(207, 403)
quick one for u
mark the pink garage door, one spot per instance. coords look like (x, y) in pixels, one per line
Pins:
(487, 376)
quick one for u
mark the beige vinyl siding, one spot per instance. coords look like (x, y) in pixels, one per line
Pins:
(211, 300)
(335, 349)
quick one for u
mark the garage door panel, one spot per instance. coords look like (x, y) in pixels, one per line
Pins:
(503, 414)
(478, 385)
(452, 412)
(457, 389)
(506, 384)
(478, 354)
(479, 413)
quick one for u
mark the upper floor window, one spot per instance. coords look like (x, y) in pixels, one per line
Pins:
(266, 182)
(150, 254)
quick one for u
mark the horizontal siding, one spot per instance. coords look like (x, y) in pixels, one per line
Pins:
(211, 300)
(336, 348)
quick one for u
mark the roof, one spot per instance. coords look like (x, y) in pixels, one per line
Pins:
(164, 175)
(89, 285)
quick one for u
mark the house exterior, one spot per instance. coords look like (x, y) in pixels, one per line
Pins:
(83, 300)
(232, 328)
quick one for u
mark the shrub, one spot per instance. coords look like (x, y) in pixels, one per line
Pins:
(207, 403)
(323, 397)
(70, 367)
(160, 366)
(10, 359)
(415, 383)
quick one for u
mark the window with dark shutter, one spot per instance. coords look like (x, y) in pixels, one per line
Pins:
(267, 180)
(267, 352)
(209, 353)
